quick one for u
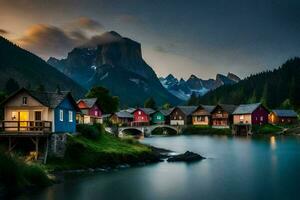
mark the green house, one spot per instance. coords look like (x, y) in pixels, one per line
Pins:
(158, 118)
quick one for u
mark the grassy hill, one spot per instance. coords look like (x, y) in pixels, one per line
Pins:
(31, 71)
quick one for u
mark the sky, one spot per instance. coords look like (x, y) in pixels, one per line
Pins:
(200, 37)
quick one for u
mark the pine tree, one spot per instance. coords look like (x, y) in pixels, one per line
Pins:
(150, 103)
(193, 101)
(11, 86)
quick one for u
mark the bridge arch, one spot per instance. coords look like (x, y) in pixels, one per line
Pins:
(173, 129)
(131, 130)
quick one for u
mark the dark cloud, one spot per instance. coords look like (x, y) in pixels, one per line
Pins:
(160, 49)
(3, 32)
(86, 23)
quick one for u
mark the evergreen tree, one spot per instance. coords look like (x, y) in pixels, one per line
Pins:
(106, 102)
(193, 101)
(150, 103)
(264, 97)
(286, 104)
(166, 106)
(11, 86)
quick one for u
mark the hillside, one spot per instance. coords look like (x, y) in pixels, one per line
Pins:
(31, 71)
(276, 88)
(117, 64)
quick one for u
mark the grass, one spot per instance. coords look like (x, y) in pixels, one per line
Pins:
(266, 129)
(104, 151)
(17, 175)
(206, 130)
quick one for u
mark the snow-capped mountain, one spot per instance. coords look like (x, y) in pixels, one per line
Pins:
(183, 89)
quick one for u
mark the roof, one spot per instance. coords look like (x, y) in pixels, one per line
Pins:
(148, 111)
(48, 99)
(246, 108)
(207, 108)
(124, 114)
(228, 108)
(285, 113)
(130, 110)
(187, 110)
(166, 112)
(89, 102)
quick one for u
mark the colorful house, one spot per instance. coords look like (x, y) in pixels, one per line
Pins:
(39, 112)
(142, 116)
(90, 112)
(158, 118)
(182, 115)
(253, 114)
(221, 115)
(122, 118)
(283, 117)
(202, 115)
(166, 113)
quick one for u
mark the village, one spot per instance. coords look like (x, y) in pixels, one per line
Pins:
(45, 117)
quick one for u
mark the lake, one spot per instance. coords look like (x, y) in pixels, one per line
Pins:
(235, 168)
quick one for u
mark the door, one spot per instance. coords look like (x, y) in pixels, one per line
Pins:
(23, 119)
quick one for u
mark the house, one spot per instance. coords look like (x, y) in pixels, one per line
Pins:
(166, 113)
(122, 118)
(32, 112)
(182, 115)
(158, 117)
(90, 112)
(221, 115)
(142, 116)
(283, 117)
(202, 115)
(253, 114)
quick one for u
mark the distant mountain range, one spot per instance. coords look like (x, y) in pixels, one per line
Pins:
(31, 71)
(183, 89)
(116, 63)
(278, 88)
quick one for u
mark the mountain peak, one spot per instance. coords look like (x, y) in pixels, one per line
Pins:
(233, 77)
(193, 77)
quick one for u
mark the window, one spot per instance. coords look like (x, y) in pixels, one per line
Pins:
(96, 113)
(180, 117)
(61, 115)
(24, 100)
(70, 116)
(38, 115)
(200, 118)
(242, 117)
(139, 113)
(261, 118)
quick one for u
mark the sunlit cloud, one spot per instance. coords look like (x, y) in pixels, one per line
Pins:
(3, 32)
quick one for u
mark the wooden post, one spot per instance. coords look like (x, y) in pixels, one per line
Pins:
(37, 148)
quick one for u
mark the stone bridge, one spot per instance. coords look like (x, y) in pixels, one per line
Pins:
(144, 130)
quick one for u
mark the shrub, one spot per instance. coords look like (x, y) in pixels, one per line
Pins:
(88, 131)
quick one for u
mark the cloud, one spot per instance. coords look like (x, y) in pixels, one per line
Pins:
(46, 40)
(160, 49)
(3, 32)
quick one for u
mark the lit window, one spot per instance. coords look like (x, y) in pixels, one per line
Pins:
(139, 112)
(96, 113)
(261, 118)
(61, 115)
(180, 117)
(24, 100)
(13, 115)
(242, 117)
(70, 116)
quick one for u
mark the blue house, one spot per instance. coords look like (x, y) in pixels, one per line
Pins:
(35, 112)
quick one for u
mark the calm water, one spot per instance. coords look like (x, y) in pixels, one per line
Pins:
(236, 168)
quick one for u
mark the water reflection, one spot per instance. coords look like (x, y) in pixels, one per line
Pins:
(273, 142)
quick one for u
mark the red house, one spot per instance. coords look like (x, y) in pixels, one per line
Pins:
(91, 113)
(253, 114)
(141, 116)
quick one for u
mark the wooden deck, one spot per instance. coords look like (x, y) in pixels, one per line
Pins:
(25, 128)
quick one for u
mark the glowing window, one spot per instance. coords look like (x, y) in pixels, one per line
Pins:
(70, 116)
(61, 115)
(24, 100)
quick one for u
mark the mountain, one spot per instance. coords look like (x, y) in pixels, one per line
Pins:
(278, 88)
(116, 63)
(183, 89)
(30, 70)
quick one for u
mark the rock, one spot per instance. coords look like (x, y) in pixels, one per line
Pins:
(186, 157)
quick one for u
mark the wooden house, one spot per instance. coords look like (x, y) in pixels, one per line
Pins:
(253, 114)
(158, 117)
(283, 117)
(39, 112)
(202, 115)
(142, 116)
(221, 115)
(90, 112)
(122, 118)
(166, 113)
(182, 115)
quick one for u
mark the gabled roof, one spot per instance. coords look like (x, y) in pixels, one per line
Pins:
(246, 108)
(166, 112)
(48, 99)
(285, 113)
(187, 110)
(89, 102)
(130, 110)
(228, 107)
(207, 108)
(124, 114)
(148, 111)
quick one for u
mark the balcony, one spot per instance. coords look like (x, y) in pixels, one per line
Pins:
(25, 127)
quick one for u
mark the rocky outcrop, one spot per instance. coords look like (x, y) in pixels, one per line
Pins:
(186, 157)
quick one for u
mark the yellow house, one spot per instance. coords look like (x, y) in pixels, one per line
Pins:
(201, 116)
